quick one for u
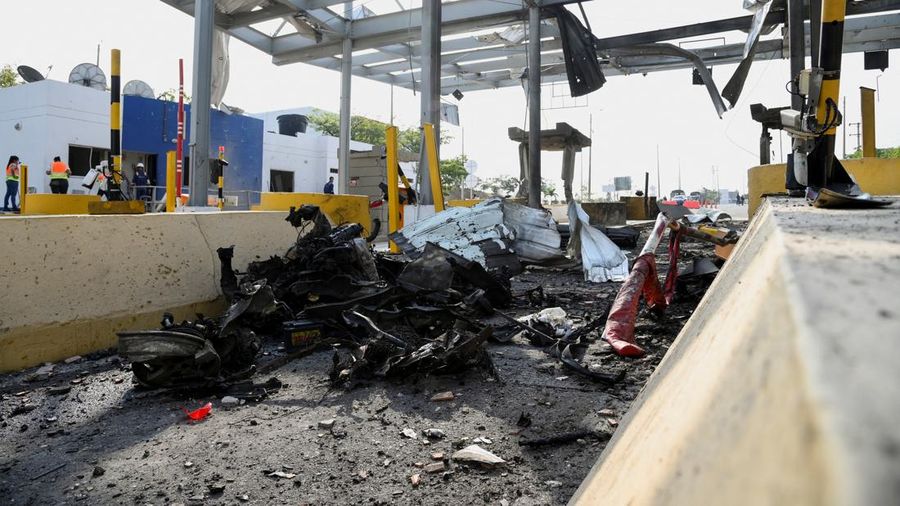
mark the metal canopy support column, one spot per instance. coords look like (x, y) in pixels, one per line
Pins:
(534, 105)
(797, 39)
(346, 75)
(431, 89)
(204, 13)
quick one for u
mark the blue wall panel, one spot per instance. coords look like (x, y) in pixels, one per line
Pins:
(149, 126)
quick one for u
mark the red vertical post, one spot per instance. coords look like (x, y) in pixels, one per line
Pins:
(179, 138)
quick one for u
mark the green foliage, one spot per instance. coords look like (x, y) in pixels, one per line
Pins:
(548, 189)
(893, 152)
(8, 76)
(505, 186)
(367, 130)
(453, 174)
(171, 95)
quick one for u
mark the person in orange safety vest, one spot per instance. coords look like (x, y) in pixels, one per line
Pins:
(59, 176)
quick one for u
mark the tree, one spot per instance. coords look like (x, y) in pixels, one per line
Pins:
(548, 189)
(8, 77)
(368, 130)
(893, 152)
(505, 186)
(453, 174)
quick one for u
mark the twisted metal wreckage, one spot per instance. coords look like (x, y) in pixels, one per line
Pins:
(429, 311)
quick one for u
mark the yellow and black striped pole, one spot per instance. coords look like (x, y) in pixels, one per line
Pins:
(115, 117)
(221, 181)
(821, 164)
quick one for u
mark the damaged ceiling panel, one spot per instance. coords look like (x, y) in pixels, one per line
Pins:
(484, 41)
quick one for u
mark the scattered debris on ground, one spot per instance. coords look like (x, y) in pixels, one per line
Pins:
(479, 386)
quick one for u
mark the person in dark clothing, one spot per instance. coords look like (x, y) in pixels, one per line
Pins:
(329, 186)
(140, 182)
(12, 184)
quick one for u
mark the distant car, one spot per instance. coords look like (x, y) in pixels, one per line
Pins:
(696, 196)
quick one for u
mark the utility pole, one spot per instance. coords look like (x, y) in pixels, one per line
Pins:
(679, 175)
(463, 135)
(844, 128)
(858, 135)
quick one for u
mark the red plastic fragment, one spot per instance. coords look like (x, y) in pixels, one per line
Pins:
(199, 413)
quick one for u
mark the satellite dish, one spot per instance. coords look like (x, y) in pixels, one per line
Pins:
(89, 75)
(29, 74)
(139, 88)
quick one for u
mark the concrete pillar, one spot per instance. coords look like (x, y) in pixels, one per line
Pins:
(346, 75)
(431, 89)
(534, 105)
(204, 15)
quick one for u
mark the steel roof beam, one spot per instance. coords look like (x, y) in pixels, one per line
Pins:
(731, 24)
(404, 26)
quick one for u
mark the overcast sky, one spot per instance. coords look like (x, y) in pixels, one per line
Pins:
(631, 115)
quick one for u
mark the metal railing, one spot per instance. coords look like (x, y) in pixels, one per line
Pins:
(154, 198)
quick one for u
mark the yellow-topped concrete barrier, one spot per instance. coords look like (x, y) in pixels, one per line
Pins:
(51, 204)
(878, 176)
(70, 282)
(782, 387)
(340, 209)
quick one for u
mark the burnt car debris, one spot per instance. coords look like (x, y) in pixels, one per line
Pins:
(428, 311)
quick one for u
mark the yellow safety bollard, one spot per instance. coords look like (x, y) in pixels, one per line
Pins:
(170, 181)
(115, 116)
(221, 181)
(434, 167)
(392, 182)
(23, 186)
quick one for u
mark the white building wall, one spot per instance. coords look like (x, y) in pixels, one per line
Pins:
(53, 115)
(311, 157)
(50, 116)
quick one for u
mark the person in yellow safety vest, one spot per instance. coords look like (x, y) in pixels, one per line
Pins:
(12, 184)
(59, 176)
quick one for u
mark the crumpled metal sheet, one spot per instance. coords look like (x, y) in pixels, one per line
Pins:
(536, 233)
(666, 49)
(601, 259)
(707, 215)
(476, 233)
(734, 87)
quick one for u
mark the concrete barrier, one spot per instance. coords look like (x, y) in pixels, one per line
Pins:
(70, 282)
(781, 388)
(607, 214)
(878, 176)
